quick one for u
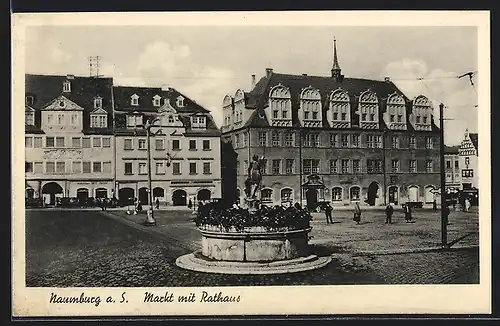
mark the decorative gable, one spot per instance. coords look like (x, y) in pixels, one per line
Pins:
(29, 115)
(61, 103)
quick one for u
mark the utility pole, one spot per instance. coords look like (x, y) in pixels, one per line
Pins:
(300, 165)
(444, 222)
(385, 165)
(150, 216)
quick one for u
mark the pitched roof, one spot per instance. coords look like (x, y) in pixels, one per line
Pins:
(45, 88)
(474, 138)
(451, 149)
(123, 94)
(325, 85)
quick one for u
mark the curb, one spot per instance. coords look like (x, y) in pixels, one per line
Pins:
(409, 250)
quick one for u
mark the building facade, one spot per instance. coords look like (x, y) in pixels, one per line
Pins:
(453, 179)
(68, 137)
(184, 147)
(335, 139)
(468, 156)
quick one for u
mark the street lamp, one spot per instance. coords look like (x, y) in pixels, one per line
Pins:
(150, 221)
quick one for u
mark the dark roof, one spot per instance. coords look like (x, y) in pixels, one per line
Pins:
(325, 85)
(474, 139)
(45, 88)
(122, 95)
(451, 149)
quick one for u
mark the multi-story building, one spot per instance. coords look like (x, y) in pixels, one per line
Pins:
(453, 180)
(184, 146)
(68, 137)
(468, 155)
(332, 138)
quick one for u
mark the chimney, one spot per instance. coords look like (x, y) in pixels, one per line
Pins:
(387, 79)
(70, 76)
(253, 81)
(165, 88)
(304, 74)
(269, 72)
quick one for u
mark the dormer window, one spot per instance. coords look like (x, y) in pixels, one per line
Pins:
(310, 106)
(396, 111)
(180, 101)
(30, 100)
(198, 122)
(422, 113)
(280, 106)
(134, 100)
(67, 86)
(156, 100)
(368, 107)
(29, 118)
(339, 115)
(134, 121)
(98, 102)
(98, 120)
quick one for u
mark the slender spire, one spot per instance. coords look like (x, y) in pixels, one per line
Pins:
(335, 59)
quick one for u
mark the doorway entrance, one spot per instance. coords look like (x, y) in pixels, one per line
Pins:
(126, 196)
(203, 194)
(179, 198)
(393, 195)
(50, 191)
(143, 196)
(101, 193)
(373, 194)
(311, 198)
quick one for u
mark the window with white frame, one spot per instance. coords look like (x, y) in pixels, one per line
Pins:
(412, 143)
(276, 166)
(37, 142)
(289, 166)
(310, 104)
(289, 139)
(176, 168)
(429, 143)
(412, 166)
(29, 118)
(127, 144)
(160, 168)
(198, 122)
(106, 142)
(98, 121)
(344, 140)
(156, 100)
(207, 168)
(206, 144)
(280, 104)
(354, 193)
(28, 141)
(245, 139)
(286, 195)
(262, 138)
(85, 142)
(87, 167)
(334, 166)
(96, 167)
(60, 167)
(395, 166)
(159, 144)
(180, 101)
(96, 142)
(310, 166)
(428, 166)
(143, 168)
(192, 168)
(336, 194)
(97, 102)
(355, 140)
(266, 195)
(134, 121)
(356, 166)
(340, 106)
(76, 167)
(141, 144)
(368, 107)
(334, 140)
(67, 86)
(395, 142)
(128, 168)
(345, 166)
(30, 100)
(276, 139)
(134, 100)
(60, 142)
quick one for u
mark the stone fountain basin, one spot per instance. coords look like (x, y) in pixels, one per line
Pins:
(254, 244)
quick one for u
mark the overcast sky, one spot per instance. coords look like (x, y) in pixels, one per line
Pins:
(208, 62)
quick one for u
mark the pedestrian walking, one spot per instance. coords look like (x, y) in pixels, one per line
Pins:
(388, 213)
(328, 213)
(357, 214)
(157, 203)
(446, 214)
(467, 204)
(434, 206)
(407, 211)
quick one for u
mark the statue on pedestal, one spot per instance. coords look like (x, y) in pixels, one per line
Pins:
(254, 181)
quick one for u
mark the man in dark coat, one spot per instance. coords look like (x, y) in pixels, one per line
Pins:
(328, 213)
(388, 213)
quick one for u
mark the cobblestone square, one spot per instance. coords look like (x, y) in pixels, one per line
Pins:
(112, 249)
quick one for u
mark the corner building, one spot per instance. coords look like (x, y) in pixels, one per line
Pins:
(335, 139)
(184, 147)
(69, 143)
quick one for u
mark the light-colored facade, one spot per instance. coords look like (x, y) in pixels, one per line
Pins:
(184, 147)
(453, 172)
(69, 146)
(468, 156)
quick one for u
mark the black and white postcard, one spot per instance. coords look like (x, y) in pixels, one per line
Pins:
(242, 163)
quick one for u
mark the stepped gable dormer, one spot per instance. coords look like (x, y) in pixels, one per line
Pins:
(395, 114)
(227, 112)
(279, 108)
(339, 113)
(310, 108)
(421, 116)
(239, 107)
(368, 110)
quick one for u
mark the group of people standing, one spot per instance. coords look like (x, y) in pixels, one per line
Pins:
(389, 212)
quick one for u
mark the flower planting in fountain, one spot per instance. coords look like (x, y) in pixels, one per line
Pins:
(218, 217)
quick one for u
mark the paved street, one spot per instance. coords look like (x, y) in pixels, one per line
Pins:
(89, 248)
